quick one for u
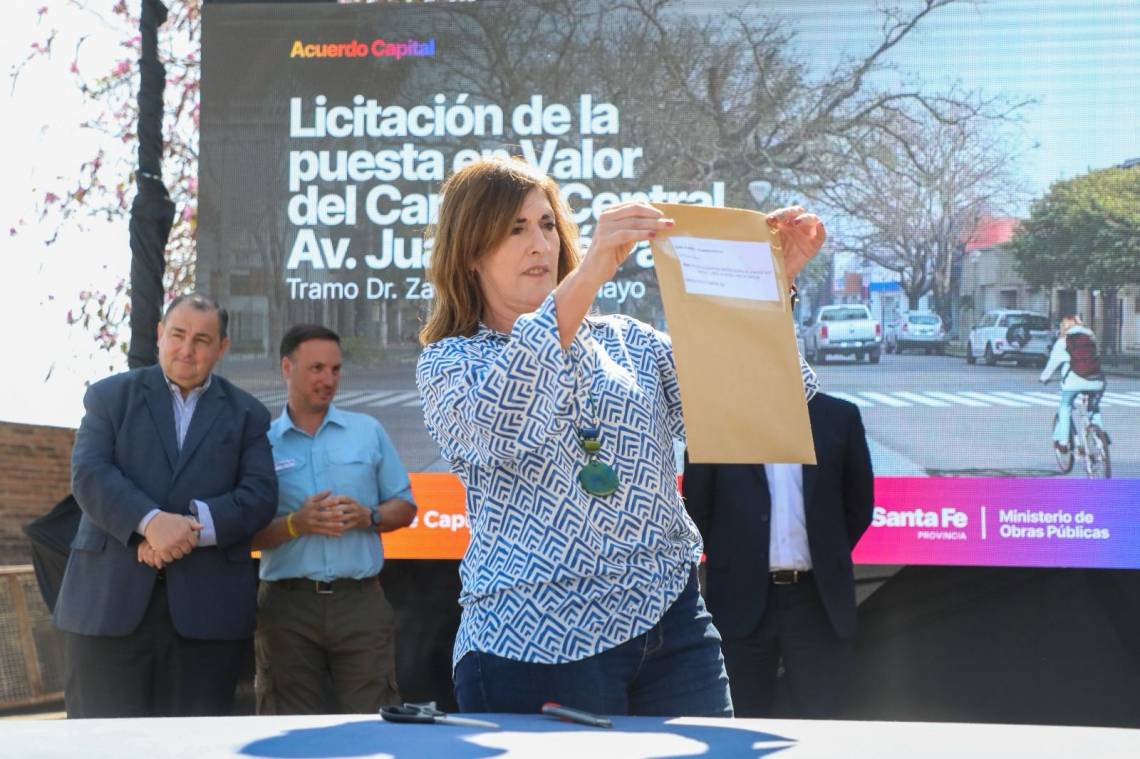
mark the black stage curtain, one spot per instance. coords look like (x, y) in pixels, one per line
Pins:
(980, 644)
(425, 597)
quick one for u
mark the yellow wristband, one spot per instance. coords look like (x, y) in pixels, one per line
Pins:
(289, 526)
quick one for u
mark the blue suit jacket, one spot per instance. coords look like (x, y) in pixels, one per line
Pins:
(126, 462)
(732, 508)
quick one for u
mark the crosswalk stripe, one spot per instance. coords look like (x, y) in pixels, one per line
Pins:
(1110, 399)
(957, 399)
(413, 403)
(1025, 398)
(851, 399)
(922, 399)
(397, 398)
(1054, 398)
(369, 397)
(885, 399)
(1133, 394)
(993, 399)
(1122, 399)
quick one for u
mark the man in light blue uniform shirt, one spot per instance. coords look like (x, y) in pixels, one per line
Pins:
(322, 616)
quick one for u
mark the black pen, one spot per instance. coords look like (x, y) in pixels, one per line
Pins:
(577, 716)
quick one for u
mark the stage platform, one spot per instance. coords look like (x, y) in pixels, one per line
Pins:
(330, 736)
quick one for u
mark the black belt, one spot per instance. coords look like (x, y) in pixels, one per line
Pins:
(788, 576)
(340, 585)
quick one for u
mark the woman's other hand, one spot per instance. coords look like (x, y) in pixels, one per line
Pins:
(801, 237)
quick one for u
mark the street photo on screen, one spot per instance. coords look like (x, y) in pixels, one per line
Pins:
(981, 195)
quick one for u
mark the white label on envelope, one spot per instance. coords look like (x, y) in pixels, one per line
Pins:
(727, 268)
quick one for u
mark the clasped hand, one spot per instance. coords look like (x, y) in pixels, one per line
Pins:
(168, 538)
(330, 515)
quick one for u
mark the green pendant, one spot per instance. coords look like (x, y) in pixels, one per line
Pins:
(599, 479)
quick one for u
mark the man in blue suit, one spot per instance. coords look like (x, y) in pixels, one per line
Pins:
(173, 471)
(780, 583)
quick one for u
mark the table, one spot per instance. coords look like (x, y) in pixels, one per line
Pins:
(327, 736)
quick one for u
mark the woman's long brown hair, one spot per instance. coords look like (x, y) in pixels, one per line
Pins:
(480, 204)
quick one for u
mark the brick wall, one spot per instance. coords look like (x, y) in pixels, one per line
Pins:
(35, 473)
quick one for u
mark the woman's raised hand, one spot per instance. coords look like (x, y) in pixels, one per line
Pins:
(619, 228)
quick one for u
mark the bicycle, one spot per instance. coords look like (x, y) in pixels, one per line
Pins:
(1086, 440)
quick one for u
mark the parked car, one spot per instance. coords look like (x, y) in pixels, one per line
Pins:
(1010, 335)
(916, 330)
(843, 330)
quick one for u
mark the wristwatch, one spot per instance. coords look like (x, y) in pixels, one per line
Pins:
(374, 516)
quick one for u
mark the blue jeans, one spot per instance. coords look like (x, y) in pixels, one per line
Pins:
(674, 669)
(1065, 413)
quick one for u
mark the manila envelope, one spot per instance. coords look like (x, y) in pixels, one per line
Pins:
(726, 301)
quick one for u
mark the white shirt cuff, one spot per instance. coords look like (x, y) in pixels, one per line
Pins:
(207, 536)
(141, 529)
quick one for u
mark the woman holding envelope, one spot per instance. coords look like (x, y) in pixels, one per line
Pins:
(579, 584)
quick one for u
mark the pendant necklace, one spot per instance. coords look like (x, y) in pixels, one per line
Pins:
(596, 477)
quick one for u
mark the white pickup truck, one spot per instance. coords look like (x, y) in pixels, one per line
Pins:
(843, 330)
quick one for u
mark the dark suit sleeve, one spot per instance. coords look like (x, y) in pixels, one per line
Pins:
(105, 494)
(697, 490)
(252, 503)
(858, 481)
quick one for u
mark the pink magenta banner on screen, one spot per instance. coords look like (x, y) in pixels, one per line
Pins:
(918, 520)
(1004, 522)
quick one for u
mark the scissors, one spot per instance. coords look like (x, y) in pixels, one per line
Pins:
(427, 713)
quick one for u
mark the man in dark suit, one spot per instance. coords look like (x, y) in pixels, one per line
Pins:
(173, 471)
(780, 582)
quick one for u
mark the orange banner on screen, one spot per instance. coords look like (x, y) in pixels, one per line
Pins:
(440, 530)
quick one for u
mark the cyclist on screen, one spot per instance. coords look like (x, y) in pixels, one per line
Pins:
(1075, 355)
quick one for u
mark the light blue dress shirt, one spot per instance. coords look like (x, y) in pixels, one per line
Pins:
(351, 455)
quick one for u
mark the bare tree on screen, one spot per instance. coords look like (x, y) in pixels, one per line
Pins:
(732, 97)
(913, 192)
(726, 95)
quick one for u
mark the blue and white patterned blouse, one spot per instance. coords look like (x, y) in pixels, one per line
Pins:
(553, 574)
